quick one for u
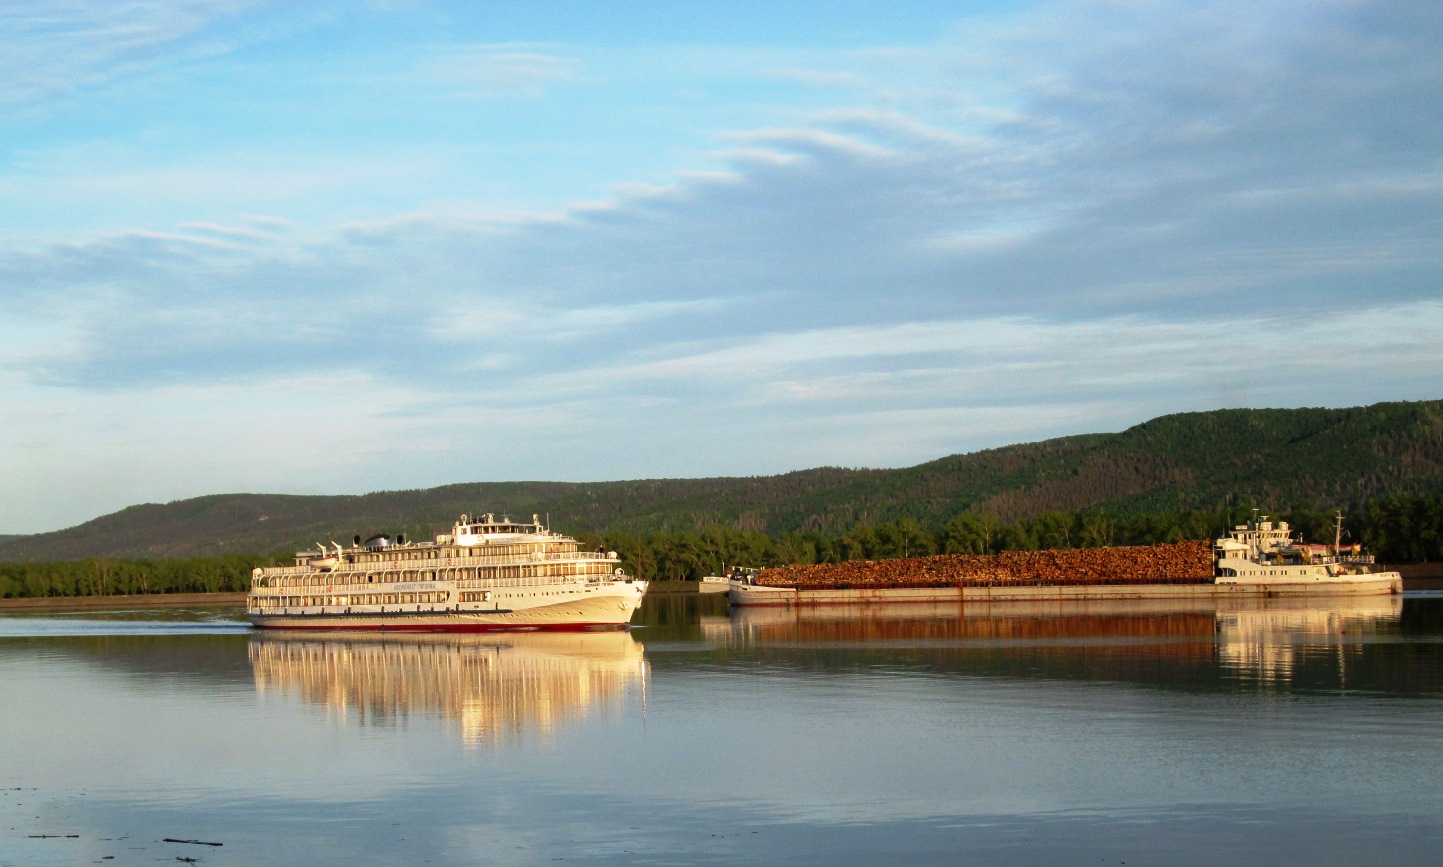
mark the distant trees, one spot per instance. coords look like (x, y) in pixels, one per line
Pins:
(106, 577)
(970, 533)
(1396, 529)
(687, 556)
(1405, 528)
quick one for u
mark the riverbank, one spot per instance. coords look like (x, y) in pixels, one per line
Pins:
(103, 603)
(1420, 576)
(1416, 576)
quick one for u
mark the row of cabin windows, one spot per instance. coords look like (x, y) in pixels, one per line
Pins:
(484, 553)
(544, 570)
(352, 599)
(375, 599)
(478, 551)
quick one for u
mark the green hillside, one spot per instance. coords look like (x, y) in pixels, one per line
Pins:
(1278, 458)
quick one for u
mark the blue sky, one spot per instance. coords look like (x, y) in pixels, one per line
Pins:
(337, 247)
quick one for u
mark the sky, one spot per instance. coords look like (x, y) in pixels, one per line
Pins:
(332, 246)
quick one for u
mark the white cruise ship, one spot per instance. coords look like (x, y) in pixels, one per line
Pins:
(486, 575)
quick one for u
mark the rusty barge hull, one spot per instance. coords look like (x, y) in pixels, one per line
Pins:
(1383, 584)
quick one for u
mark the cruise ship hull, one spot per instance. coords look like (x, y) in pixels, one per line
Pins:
(595, 613)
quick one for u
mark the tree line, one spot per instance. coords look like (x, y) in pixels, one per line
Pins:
(1397, 529)
(97, 576)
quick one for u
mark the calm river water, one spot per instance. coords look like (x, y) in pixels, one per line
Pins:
(1289, 734)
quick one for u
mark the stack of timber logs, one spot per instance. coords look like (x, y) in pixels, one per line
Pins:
(1179, 563)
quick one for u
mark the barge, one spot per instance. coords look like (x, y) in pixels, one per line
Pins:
(1259, 558)
(487, 574)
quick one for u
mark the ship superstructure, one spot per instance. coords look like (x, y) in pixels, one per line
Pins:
(486, 574)
(1263, 551)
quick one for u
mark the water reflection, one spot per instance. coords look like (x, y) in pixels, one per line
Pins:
(495, 688)
(1270, 643)
(1012, 623)
(1310, 643)
(1285, 732)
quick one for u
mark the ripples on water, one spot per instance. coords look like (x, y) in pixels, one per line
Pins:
(1285, 733)
(150, 621)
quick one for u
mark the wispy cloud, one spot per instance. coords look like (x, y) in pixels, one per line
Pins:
(1067, 221)
(496, 71)
(54, 47)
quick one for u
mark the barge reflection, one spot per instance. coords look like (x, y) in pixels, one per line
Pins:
(497, 688)
(1256, 641)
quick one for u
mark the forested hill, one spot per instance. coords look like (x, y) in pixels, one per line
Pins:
(1273, 459)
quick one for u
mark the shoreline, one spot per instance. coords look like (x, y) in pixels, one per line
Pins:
(103, 603)
(1416, 576)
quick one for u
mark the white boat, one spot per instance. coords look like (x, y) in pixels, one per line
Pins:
(713, 584)
(1262, 552)
(485, 575)
(720, 583)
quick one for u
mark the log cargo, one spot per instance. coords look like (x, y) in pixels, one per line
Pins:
(1179, 563)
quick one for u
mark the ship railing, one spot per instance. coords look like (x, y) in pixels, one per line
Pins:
(343, 584)
(1357, 560)
(478, 557)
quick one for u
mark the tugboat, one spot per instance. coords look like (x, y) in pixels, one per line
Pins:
(1264, 552)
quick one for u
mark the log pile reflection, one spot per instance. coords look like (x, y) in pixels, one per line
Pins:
(1204, 643)
(495, 688)
(1175, 628)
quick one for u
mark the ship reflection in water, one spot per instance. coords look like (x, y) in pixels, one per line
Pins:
(1271, 644)
(496, 689)
(1249, 642)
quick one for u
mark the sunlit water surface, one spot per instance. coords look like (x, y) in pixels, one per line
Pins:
(1291, 733)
